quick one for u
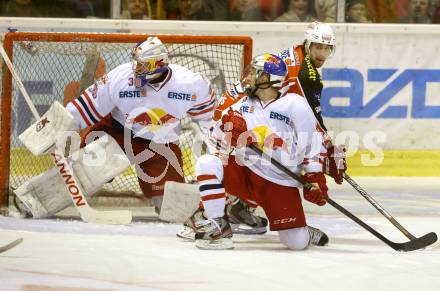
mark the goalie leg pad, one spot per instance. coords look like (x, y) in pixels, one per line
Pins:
(41, 136)
(44, 194)
(180, 201)
(99, 162)
(93, 165)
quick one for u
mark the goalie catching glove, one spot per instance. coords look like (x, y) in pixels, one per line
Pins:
(318, 192)
(335, 164)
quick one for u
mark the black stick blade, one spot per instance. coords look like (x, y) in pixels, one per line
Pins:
(419, 243)
(10, 245)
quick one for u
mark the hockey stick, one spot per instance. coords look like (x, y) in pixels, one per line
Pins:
(368, 197)
(378, 207)
(10, 245)
(90, 66)
(417, 243)
(87, 213)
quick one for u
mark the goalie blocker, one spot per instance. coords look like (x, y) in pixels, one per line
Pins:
(93, 166)
(40, 137)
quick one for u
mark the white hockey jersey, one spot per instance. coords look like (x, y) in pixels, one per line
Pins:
(289, 132)
(150, 112)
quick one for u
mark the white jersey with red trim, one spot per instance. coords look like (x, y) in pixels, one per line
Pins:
(151, 112)
(289, 132)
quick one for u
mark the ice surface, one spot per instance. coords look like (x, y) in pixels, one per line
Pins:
(72, 255)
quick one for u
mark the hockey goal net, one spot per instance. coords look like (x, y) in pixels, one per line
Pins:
(57, 66)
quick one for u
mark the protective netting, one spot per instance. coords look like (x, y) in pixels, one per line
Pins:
(58, 70)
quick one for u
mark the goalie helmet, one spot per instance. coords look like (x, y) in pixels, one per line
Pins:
(150, 60)
(319, 32)
(265, 71)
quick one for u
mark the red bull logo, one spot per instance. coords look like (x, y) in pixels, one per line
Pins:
(274, 141)
(266, 139)
(159, 64)
(272, 59)
(154, 119)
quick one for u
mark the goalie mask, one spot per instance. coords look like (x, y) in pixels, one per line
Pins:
(150, 60)
(318, 32)
(265, 71)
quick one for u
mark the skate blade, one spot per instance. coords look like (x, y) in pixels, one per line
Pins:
(218, 244)
(245, 229)
(186, 234)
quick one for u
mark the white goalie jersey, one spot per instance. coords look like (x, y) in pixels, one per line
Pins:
(151, 112)
(287, 130)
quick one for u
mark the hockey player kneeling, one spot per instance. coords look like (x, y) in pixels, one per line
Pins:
(283, 126)
(93, 166)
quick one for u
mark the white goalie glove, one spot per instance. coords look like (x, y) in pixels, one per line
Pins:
(93, 166)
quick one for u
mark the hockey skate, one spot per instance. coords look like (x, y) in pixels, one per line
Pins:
(243, 221)
(189, 226)
(241, 218)
(317, 236)
(214, 234)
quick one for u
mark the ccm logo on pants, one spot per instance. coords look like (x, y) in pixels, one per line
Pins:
(284, 220)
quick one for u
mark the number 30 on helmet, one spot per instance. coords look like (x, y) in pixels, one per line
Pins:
(150, 60)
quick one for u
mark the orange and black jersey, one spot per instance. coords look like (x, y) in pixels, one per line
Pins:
(308, 82)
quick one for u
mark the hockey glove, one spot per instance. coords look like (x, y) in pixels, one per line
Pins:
(234, 123)
(318, 192)
(335, 164)
(228, 98)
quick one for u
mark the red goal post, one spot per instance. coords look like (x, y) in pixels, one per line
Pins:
(56, 66)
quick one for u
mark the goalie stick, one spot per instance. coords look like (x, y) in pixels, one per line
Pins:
(415, 244)
(90, 66)
(87, 213)
(10, 245)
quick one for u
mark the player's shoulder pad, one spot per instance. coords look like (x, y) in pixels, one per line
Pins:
(243, 101)
(297, 102)
(184, 76)
(180, 70)
(123, 71)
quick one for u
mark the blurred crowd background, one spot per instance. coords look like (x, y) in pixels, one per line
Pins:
(355, 11)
